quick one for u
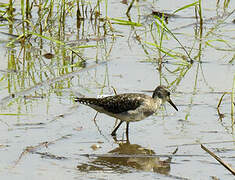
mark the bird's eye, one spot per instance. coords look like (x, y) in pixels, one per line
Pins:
(159, 95)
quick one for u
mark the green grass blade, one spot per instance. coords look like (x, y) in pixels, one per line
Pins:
(124, 22)
(160, 49)
(163, 25)
(185, 7)
(217, 40)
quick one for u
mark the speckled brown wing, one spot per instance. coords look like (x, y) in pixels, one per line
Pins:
(115, 104)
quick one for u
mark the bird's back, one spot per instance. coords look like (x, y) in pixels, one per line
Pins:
(127, 107)
(115, 104)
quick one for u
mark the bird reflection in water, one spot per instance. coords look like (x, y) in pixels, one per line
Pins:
(127, 155)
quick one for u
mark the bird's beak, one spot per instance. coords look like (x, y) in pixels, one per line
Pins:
(169, 100)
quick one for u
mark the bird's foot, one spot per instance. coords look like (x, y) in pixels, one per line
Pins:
(113, 134)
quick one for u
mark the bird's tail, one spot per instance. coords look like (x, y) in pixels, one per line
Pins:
(76, 99)
(86, 101)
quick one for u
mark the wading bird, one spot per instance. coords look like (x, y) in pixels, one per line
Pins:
(129, 107)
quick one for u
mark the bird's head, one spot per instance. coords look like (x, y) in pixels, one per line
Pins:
(162, 93)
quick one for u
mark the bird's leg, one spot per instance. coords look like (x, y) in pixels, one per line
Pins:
(114, 131)
(127, 131)
(95, 116)
(115, 138)
(116, 121)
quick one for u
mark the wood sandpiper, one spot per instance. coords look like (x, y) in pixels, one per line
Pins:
(129, 107)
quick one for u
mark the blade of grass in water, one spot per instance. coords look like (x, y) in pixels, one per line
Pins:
(56, 41)
(172, 34)
(158, 47)
(4, 5)
(185, 7)
(217, 40)
(4, 25)
(124, 22)
(59, 42)
(232, 100)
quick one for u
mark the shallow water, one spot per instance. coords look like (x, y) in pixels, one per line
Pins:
(37, 107)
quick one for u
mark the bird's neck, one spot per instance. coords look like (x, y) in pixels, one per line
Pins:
(157, 102)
